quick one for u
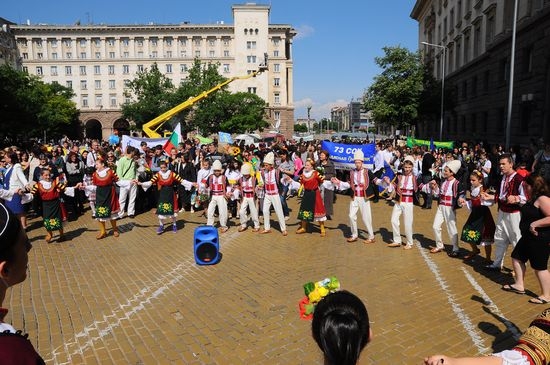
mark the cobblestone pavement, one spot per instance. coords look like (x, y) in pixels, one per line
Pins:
(141, 298)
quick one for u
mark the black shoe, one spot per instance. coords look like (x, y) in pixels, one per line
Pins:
(491, 267)
(329, 218)
(131, 216)
(453, 254)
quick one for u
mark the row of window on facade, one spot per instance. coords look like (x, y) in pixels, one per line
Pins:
(83, 70)
(138, 41)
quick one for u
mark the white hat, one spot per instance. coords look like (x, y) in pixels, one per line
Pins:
(454, 166)
(269, 158)
(358, 155)
(245, 169)
(217, 165)
(409, 158)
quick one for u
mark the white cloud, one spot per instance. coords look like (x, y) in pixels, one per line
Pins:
(318, 110)
(304, 31)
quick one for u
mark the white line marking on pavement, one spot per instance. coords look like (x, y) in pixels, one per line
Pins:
(462, 316)
(491, 305)
(99, 329)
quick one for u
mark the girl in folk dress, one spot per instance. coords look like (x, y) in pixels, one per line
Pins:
(165, 180)
(233, 174)
(50, 194)
(247, 187)
(479, 229)
(311, 207)
(106, 199)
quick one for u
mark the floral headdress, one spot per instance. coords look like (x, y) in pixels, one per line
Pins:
(314, 293)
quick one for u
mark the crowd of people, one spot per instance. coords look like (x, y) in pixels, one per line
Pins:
(244, 183)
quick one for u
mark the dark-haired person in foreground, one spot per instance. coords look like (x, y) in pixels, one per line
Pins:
(341, 328)
(15, 348)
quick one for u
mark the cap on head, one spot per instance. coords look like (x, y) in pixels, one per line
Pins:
(217, 165)
(245, 169)
(410, 159)
(269, 158)
(358, 155)
(454, 166)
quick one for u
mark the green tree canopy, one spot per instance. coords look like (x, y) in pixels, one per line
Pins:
(394, 95)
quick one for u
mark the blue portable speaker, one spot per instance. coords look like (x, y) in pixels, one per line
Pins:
(207, 246)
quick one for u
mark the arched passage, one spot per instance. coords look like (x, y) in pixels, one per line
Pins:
(123, 126)
(93, 129)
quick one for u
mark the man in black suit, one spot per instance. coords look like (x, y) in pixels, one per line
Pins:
(184, 167)
(428, 160)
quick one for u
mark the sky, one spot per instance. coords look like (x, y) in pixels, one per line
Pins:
(333, 52)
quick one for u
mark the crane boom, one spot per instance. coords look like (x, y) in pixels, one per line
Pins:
(150, 128)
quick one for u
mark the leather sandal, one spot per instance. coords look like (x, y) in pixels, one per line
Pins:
(436, 250)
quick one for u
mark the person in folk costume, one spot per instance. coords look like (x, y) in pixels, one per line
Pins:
(479, 228)
(216, 185)
(271, 181)
(49, 192)
(247, 188)
(361, 193)
(166, 182)
(233, 174)
(202, 176)
(311, 206)
(509, 196)
(14, 180)
(449, 193)
(405, 188)
(106, 199)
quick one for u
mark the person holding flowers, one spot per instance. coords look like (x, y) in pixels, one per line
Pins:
(311, 206)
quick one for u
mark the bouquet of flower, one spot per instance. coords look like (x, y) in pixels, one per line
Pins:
(320, 170)
(314, 293)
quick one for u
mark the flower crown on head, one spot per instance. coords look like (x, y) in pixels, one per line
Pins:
(314, 293)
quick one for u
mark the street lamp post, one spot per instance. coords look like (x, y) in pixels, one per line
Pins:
(442, 85)
(308, 111)
(511, 87)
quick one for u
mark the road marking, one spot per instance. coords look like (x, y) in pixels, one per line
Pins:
(459, 312)
(124, 312)
(492, 306)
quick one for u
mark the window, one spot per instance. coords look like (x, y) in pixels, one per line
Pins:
(212, 42)
(477, 40)
(84, 100)
(474, 86)
(183, 68)
(97, 42)
(277, 115)
(445, 29)
(225, 68)
(466, 47)
(125, 54)
(211, 54)
(125, 69)
(126, 83)
(168, 54)
(275, 53)
(458, 52)
(98, 100)
(183, 41)
(97, 84)
(97, 70)
(168, 41)
(67, 42)
(112, 100)
(276, 42)
(197, 41)
(139, 42)
(22, 42)
(68, 70)
(25, 56)
(39, 70)
(486, 80)
(25, 69)
(111, 54)
(183, 54)
(68, 55)
(277, 98)
(276, 81)
(225, 41)
(69, 84)
(125, 42)
(169, 68)
(83, 85)
(83, 55)
(53, 70)
(54, 56)
(98, 55)
(39, 43)
(111, 84)
(110, 42)
(276, 67)
(153, 41)
(82, 42)
(154, 54)
(53, 43)
(226, 53)
(198, 54)
(527, 60)
(140, 54)
(451, 19)
(251, 59)
(140, 68)
(252, 90)
(40, 55)
(503, 70)
(464, 89)
(251, 45)
(82, 70)
(490, 32)
(111, 69)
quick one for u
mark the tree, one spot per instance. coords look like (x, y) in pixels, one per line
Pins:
(300, 128)
(394, 96)
(31, 107)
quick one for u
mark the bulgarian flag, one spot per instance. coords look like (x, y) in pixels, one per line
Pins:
(174, 140)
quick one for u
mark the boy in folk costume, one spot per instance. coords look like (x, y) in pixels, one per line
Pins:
(247, 187)
(449, 193)
(405, 188)
(165, 180)
(217, 186)
(270, 179)
(361, 190)
(50, 195)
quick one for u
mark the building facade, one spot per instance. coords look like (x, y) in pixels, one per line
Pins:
(97, 61)
(477, 36)
(8, 49)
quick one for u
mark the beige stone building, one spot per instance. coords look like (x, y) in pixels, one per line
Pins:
(8, 50)
(97, 61)
(477, 36)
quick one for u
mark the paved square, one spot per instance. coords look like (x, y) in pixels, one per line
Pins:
(141, 299)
